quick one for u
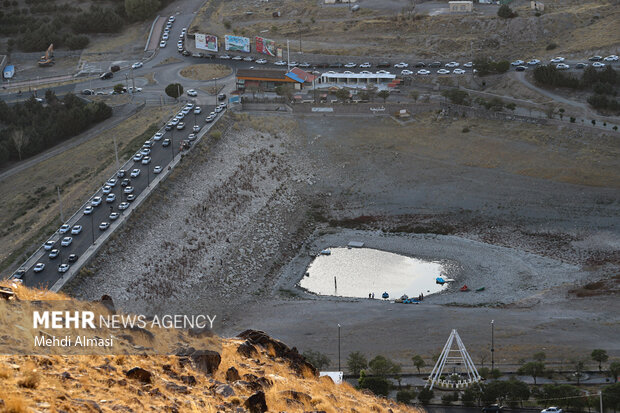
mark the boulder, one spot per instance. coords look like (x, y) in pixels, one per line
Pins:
(296, 395)
(138, 373)
(177, 388)
(224, 390)
(108, 303)
(256, 403)
(189, 380)
(296, 360)
(206, 361)
(232, 374)
(247, 350)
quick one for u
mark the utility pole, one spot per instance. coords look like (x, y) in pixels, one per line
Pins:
(600, 395)
(492, 345)
(62, 217)
(288, 57)
(339, 348)
(118, 166)
(133, 82)
(127, 81)
(92, 225)
(299, 30)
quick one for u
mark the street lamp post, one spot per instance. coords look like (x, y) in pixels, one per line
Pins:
(492, 345)
(339, 348)
(92, 224)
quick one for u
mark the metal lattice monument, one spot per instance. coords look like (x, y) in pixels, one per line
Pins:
(458, 362)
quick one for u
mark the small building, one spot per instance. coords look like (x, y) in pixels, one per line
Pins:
(339, 1)
(461, 6)
(537, 5)
(355, 79)
(264, 80)
(301, 77)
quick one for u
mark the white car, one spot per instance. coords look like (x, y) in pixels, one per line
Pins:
(64, 228)
(384, 72)
(162, 43)
(104, 225)
(128, 189)
(63, 268)
(189, 106)
(562, 66)
(136, 65)
(106, 189)
(350, 65)
(112, 182)
(452, 64)
(237, 58)
(192, 93)
(406, 72)
(146, 160)
(48, 245)
(111, 197)
(280, 63)
(599, 65)
(145, 151)
(551, 410)
(39, 267)
(517, 63)
(113, 216)
(76, 230)
(469, 65)
(137, 157)
(88, 210)
(157, 169)
(135, 173)
(458, 71)
(400, 65)
(196, 128)
(66, 241)
(248, 59)
(158, 136)
(224, 56)
(171, 19)
(612, 58)
(123, 206)
(533, 62)
(424, 72)
(96, 201)
(365, 72)
(365, 65)
(181, 126)
(443, 72)
(558, 59)
(261, 61)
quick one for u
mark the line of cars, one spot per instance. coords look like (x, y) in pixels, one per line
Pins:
(166, 33)
(560, 63)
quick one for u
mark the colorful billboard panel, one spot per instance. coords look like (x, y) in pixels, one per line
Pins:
(265, 46)
(206, 42)
(237, 43)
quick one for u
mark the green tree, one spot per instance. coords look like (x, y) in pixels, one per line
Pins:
(342, 95)
(540, 356)
(141, 9)
(425, 396)
(356, 362)
(611, 396)
(456, 96)
(174, 90)
(119, 87)
(579, 366)
(382, 366)
(384, 94)
(418, 362)
(533, 368)
(495, 374)
(380, 386)
(505, 12)
(405, 395)
(614, 370)
(317, 359)
(469, 397)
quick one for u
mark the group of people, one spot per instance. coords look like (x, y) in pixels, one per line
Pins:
(385, 296)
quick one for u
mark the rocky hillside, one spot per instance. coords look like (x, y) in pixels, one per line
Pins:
(251, 373)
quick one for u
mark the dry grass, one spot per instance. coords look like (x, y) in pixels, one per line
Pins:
(128, 38)
(205, 72)
(29, 205)
(112, 391)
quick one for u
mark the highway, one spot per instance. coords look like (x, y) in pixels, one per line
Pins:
(160, 156)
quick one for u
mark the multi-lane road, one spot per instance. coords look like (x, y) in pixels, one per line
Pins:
(160, 156)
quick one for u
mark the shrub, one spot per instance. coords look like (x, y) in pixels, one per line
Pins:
(216, 134)
(465, 130)
(380, 386)
(405, 396)
(552, 46)
(174, 90)
(505, 12)
(457, 96)
(227, 24)
(572, 119)
(425, 396)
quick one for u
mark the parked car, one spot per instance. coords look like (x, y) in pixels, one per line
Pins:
(137, 157)
(517, 63)
(158, 136)
(558, 59)
(533, 62)
(435, 64)
(261, 61)
(382, 64)
(106, 189)
(226, 57)
(197, 110)
(125, 182)
(350, 65)
(131, 197)
(452, 64)
(401, 65)
(120, 173)
(443, 72)
(595, 58)
(406, 72)
(581, 65)
(612, 58)
(493, 408)
(521, 68)
(280, 63)
(424, 72)
(88, 92)
(562, 66)
(137, 65)
(365, 65)
(162, 44)
(598, 65)
(196, 128)
(111, 182)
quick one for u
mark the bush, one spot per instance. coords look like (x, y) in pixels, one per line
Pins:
(552, 46)
(425, 396)
(505, 12)
(465, 130)
(317, 359)
(174, 90)
(572, 119)
(216, 134)
(76, 42)
(602, 102)
(405, 396)
(141, 9)
(457, 96)
(380, 386)
(227, 24)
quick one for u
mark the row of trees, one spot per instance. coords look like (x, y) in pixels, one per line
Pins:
(32, 127)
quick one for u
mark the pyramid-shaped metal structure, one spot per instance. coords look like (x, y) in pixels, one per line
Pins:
(454, 357)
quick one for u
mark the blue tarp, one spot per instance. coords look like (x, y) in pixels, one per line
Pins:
(293, 76)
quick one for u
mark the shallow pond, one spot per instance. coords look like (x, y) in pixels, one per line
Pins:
(360, 271)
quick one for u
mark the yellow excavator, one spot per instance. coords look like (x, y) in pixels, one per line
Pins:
(48, 59)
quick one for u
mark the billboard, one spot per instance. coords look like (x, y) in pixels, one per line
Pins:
(237, 43)
(206, 42)
(265, 46)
